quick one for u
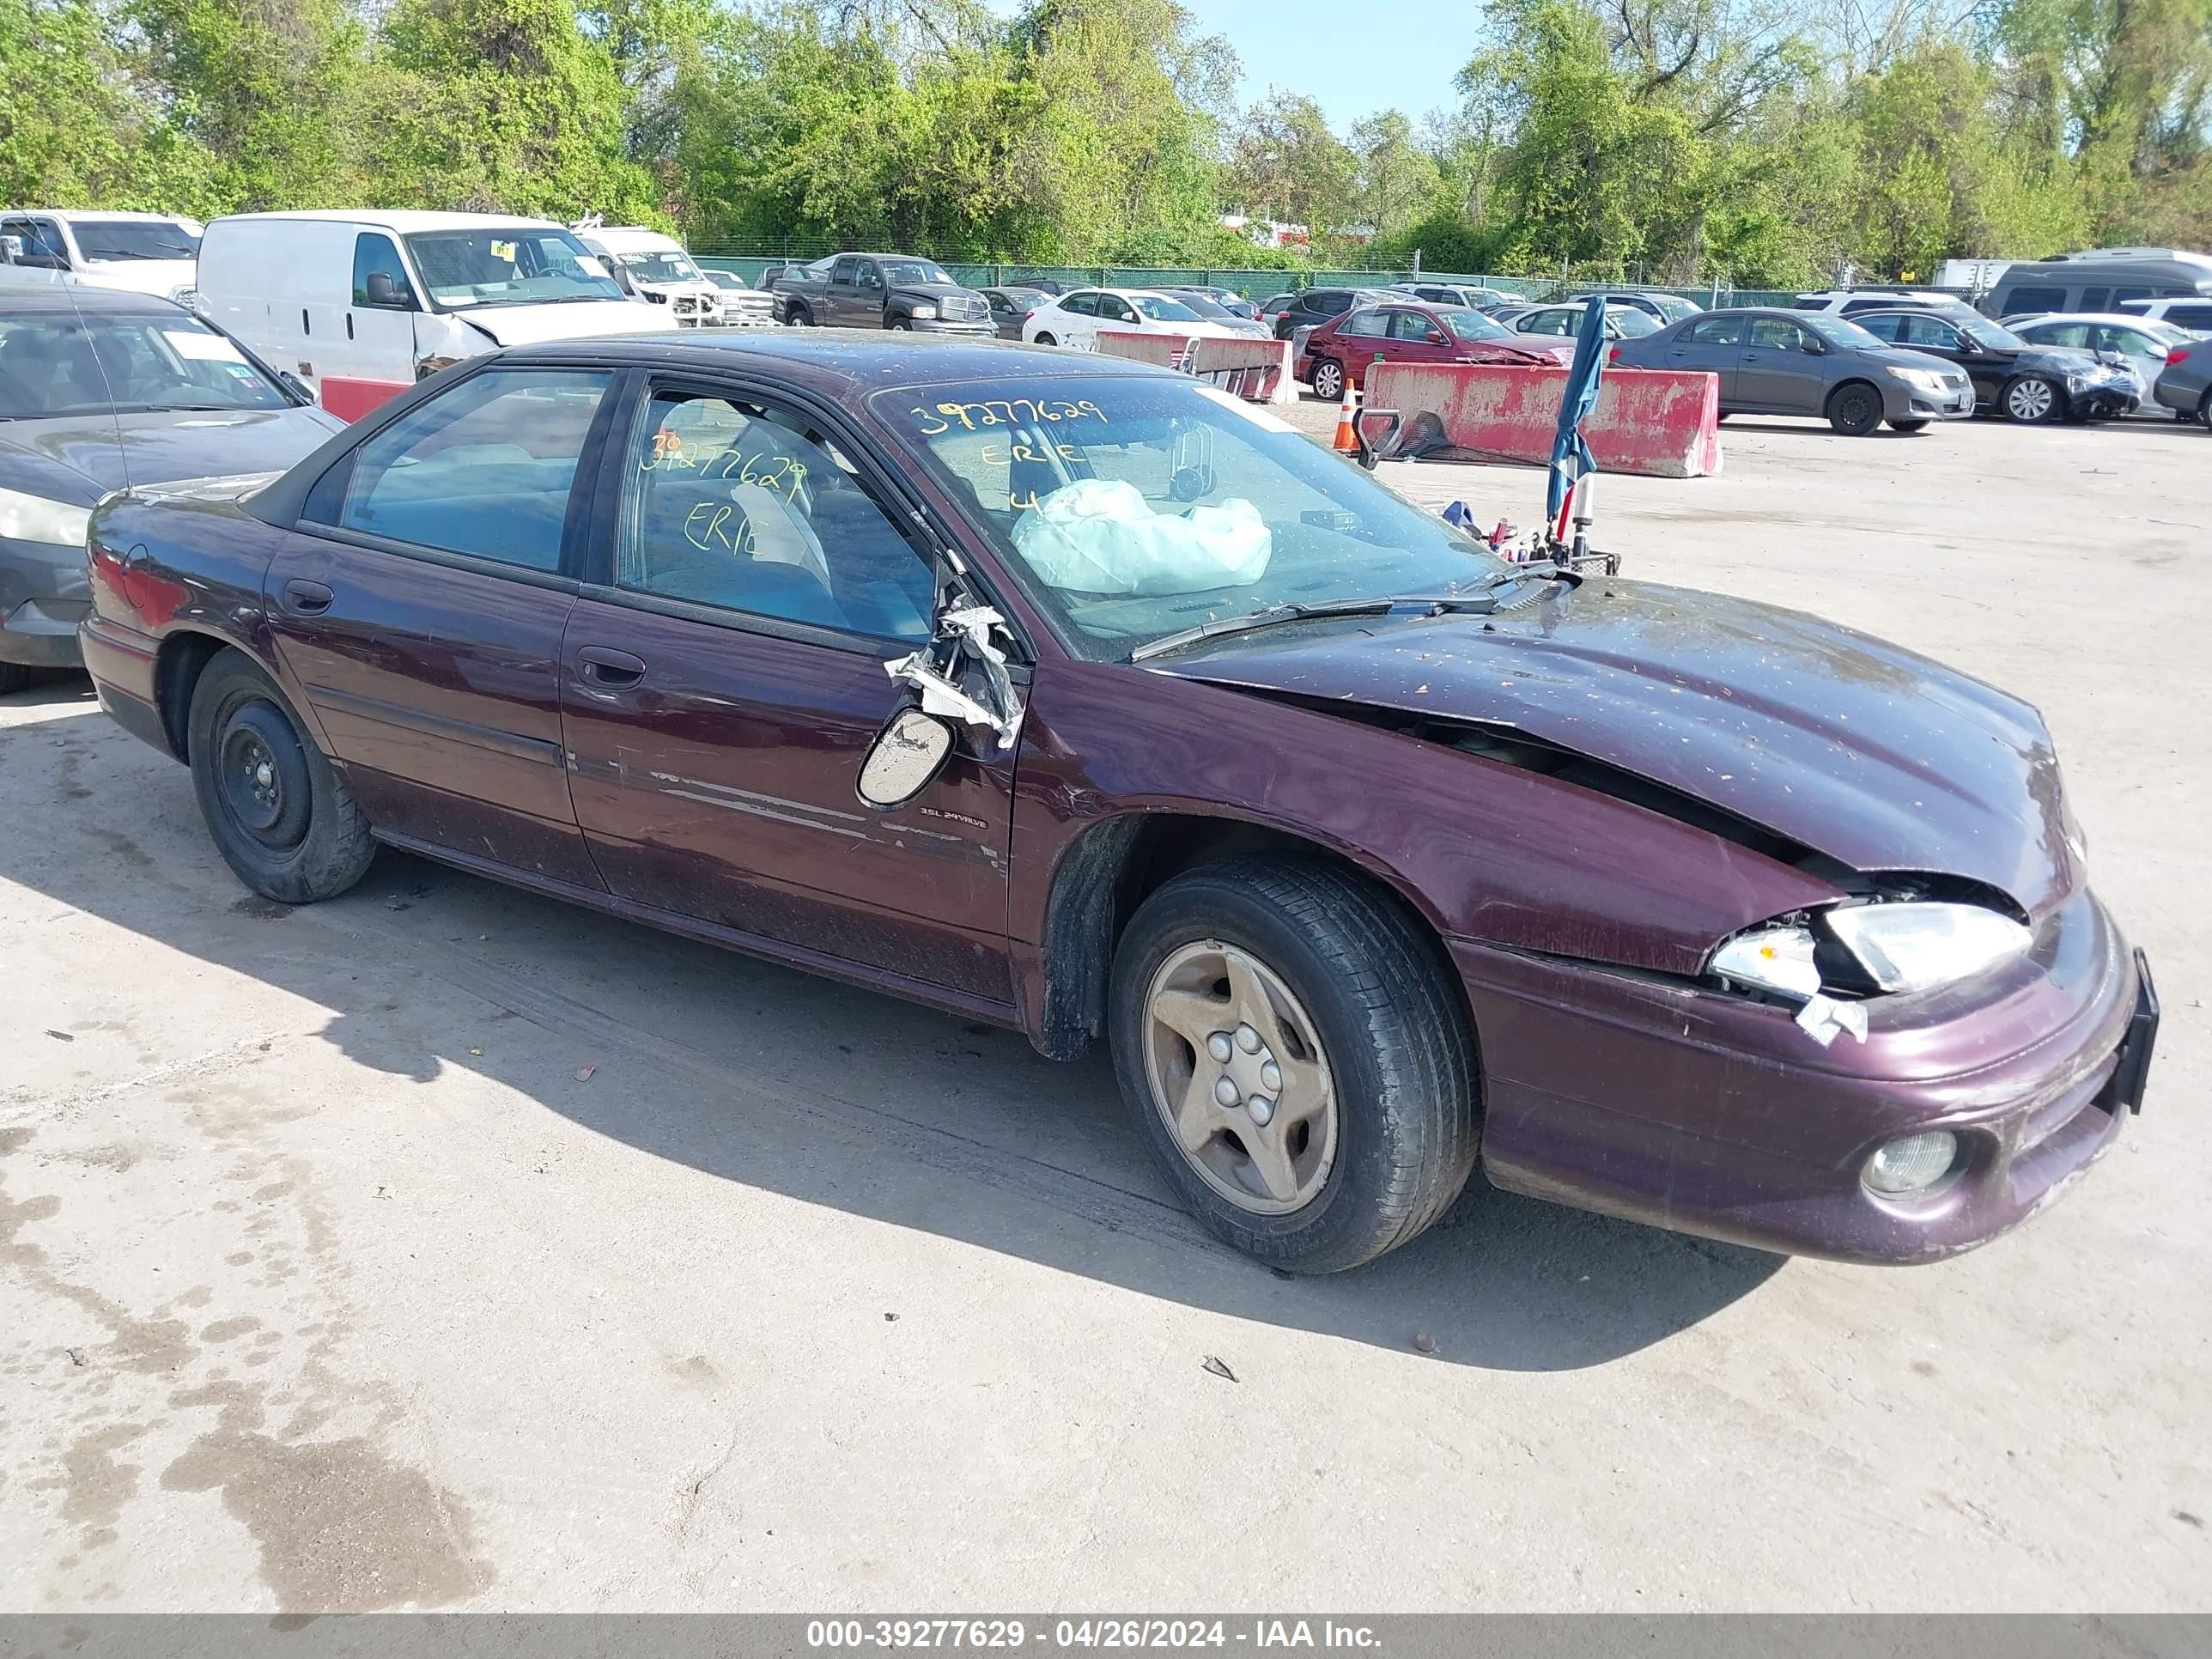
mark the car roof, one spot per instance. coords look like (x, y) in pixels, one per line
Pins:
(613, 234)
(69, 297)
(819, 360)
(73, 215)
(399, 220)
(2121, 318)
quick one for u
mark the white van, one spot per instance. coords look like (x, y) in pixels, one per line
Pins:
(136, 252)
(362, 304)
(656, 269)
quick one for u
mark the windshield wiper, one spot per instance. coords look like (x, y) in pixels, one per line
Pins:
(1435, 604)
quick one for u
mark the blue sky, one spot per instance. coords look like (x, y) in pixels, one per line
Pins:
(1351, 59)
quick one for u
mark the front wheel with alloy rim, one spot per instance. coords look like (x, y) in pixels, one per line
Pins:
(1328, 380)
(1855, 409)
(2032, 401)
(1297, 1058)
(281, 817)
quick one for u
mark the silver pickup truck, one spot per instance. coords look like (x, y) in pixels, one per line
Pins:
(881, 290)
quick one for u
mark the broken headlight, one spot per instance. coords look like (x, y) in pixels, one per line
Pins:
(1909, 946)
(1918, 945)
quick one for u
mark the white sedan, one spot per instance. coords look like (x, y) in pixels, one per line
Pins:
(1074, 320)
(2145, 341)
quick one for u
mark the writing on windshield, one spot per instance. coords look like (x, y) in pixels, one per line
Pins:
(915, 271)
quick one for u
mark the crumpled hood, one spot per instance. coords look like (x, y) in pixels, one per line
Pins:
(2061, 361)
(579, 319)
(1875, 756)
(74, 458)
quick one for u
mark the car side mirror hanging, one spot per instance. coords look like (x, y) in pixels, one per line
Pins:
(961, 674)
(905, 758)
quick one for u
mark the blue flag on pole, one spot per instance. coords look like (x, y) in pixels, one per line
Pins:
(1580, 397)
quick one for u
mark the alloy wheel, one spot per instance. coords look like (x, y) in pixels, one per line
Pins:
(1236, 1072)
(2030, 400)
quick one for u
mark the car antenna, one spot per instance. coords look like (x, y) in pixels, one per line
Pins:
(122, 451)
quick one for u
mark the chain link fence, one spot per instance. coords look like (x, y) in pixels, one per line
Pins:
(1253, 282)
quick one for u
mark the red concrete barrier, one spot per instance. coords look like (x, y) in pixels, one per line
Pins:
(1254, 368)
(1662, 422)
(351, 399)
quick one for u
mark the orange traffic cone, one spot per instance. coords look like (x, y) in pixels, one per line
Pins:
(1348, 441)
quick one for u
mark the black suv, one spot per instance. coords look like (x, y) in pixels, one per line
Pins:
(1312, 307)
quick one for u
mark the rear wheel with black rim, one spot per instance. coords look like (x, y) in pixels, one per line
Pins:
(280, 816)
(801, 317)
(1328, 380)
(1854, 409)
(1045, 339)
(2032, 400)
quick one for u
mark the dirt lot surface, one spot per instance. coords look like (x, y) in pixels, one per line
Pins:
(442, 1246)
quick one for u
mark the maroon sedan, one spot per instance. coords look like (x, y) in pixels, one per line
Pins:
(1411, 333)
(1075, 695)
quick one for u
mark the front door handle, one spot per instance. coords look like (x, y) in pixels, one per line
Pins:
(307, 599)
(609, 668)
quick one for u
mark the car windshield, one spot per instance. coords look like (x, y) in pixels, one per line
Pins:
(134, 239)
(1473, 325)
(1673, 308)
(1992, 334)
(1134, 507)
(1628, 322)
(1205, 308)
(1161, 309)
(1838, 332)
(508, 266)
(66, 365)
(671, 266)
(916, 270)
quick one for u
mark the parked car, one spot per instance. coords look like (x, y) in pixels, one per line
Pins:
(2028, 383)
(1312, 307)
(1075, 319)
(882, 290)
(1620, 323)
(1409, 332)
(1661, 307)
(1852, 301)
(1228, 299)
(1770, 362)
(2190, 316)
(362, 305)
(1011, 306)
(139, 252)
(101, 388)
(656, 269)
(2185, 385)
(1454, 293)
(2144, 343)
(1375, 860)
(2101, 279)
(1236, 322)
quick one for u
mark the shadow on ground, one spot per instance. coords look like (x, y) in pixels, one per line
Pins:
(768, 1078)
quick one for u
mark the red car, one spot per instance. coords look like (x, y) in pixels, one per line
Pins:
(1411, 333)
(1075, 695)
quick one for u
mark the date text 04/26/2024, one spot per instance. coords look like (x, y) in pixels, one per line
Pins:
(1124, 1634)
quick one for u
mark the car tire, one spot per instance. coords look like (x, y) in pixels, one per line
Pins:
(1328, 380)
(2205, 407)
(901, 323)
(282, 818)
(1908, 426)
(1854, 409)
(1361, 1033)
(1044, 339)
(799, 317)
(15, 675)
(2032, 400)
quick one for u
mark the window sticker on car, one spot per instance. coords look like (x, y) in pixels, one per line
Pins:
(200, 347)
(504, 250)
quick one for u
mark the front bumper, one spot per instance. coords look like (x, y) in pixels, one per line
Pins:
(1707, 1113)
(2102, 403)
(45, 592)
(982, 331)
(1954, 404)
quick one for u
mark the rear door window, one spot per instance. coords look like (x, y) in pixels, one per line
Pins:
(2093, 299)
(1715, 330)
(2033, 299)
(485, 469)
(1082, 305)
(2190, 316)
(1364, 325)
(2122, 296)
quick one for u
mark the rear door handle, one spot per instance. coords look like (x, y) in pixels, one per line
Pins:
(307, 599)
(610, 668)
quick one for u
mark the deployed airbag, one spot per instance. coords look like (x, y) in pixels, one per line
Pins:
(1101, 536)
